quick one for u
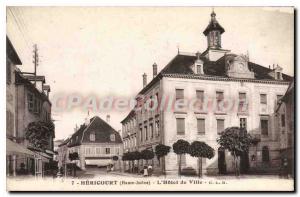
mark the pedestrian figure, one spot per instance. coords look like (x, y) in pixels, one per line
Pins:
(145, 171)
(150, 170)
(285, 168)
(112, 168)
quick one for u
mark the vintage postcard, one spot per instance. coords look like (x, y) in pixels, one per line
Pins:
(150, 98)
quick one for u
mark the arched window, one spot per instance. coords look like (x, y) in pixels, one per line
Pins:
(265, 154)
(92, 137)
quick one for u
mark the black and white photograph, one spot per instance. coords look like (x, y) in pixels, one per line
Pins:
(150, 98)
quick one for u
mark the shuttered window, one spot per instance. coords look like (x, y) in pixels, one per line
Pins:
(180, 126)
(179, 94)
(264, 126)
(201, 126)
(220, 125)
(263, 98)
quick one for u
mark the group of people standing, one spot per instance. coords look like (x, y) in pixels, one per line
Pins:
(147, 171)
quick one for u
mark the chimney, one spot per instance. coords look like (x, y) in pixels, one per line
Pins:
(108, 118)
(87, 119)
(144, 79)
(154, 70)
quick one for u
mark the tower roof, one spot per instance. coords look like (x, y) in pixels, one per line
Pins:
(213, 25)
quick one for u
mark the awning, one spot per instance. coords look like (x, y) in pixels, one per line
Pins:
(15, 148)
(50, 152)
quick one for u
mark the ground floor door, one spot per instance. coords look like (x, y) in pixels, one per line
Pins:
(244, 164)
(221, 161)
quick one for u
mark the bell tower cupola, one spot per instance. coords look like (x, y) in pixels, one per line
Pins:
(213, 33)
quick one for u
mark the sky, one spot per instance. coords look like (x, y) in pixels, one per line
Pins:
(104, 51)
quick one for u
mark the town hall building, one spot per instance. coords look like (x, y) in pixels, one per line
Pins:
(233, 92)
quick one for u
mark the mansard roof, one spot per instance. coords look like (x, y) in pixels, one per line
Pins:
(182, 63)
(102, 132)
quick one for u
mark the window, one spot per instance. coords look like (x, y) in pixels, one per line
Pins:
(98, 150)
(157, 128)
(92, 137)
(107, 151)
(117, 151)
(8, 72)
(263, 98)
(282, 120)
(179, 99)
(243, 123)
(151, 131)
(88, 151)
(199, 69)
(265, 154)
(112, 137)
(10, 123)
(141, 134)
(278, 75)
(30, 102)
(146, 133)
(278, 98)
(242, 101)
(179, 94)
(264, 126)
(180, 122)
(219, 98)
(200, 97)
(201, 126)
(220, 125)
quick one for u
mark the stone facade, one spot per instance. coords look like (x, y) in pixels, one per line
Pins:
(248, 93)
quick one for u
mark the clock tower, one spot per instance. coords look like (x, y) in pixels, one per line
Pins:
(213, 32)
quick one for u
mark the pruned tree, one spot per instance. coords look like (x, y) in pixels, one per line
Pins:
(161, 151)
(181, 147)
(236, 141)
(147, 155)
(201, 150)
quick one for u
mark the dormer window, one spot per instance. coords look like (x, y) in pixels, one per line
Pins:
(276, 73)
(199, 68)
(112, 137)
(198, 64)
(92, 137)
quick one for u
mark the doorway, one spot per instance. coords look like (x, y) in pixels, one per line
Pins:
(221, 161)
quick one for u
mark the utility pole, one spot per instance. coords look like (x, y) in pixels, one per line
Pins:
(35, 61)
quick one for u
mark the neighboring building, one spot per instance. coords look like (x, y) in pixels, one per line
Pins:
(214, 78)
(62, 153)
(129, 135)
(56, 144)
(12, 59)
(285, 115)
(96, 142)
(32, 105)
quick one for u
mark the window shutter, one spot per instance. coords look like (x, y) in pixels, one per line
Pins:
(179, 94)
(201, 126)
(180, 126)
(220, 125)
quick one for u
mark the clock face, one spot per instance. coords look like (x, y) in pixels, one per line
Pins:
(240, 66)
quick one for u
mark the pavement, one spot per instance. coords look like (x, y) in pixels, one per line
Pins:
(101, 172)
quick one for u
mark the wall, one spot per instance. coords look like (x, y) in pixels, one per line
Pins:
(231, 90)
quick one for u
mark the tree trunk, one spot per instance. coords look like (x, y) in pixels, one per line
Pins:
(200, 167)
(138, 164)
(179, 166)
